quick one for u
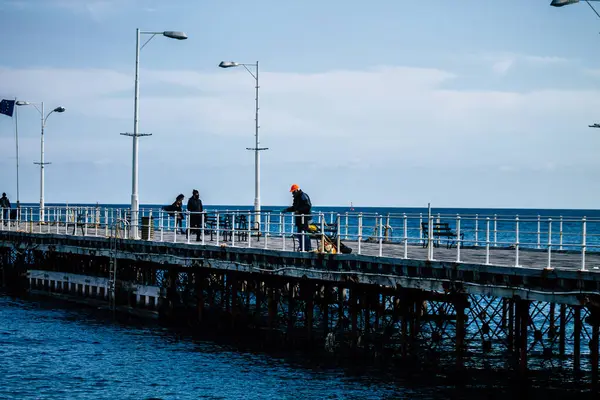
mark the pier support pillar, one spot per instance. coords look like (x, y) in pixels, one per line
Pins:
(594, 320)
(511, 324)
(308, 296)
(258, 298)
(576, 339)
(459, 305)
(354, 314)
(234, 299)
(523, 324)
(272, 308)
(291, 310)
(325, 308)
(562, 329)
(200, 295)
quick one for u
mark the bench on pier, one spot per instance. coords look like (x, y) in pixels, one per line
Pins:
(226, 228)
(79, 223)
(440, 230)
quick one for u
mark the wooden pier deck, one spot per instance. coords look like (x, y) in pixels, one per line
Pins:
(498, 256)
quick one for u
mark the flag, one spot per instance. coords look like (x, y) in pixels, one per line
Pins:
(7, 107)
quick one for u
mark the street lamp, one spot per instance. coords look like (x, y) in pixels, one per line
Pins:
(134, 173)
(41, 163)
(560, 3)
(230, 64)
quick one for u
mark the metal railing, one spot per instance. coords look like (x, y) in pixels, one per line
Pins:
(396, 235)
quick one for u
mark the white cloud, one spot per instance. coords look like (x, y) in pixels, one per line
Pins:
(501, 67)
(502, 63)
(382, 125)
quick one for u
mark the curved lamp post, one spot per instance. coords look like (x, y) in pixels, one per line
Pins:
(256, 148)
(134, 174)
(560, 3)
(41, 163)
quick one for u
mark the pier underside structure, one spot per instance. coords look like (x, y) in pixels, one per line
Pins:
(436, 312)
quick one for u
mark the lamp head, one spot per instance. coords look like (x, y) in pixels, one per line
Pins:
(228, 64)
(59, 109)
(22, 103)
(175, 35)
(560, 3)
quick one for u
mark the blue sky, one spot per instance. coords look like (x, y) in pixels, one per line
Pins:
(382, 103)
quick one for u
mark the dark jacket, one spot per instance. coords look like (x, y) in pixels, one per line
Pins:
(300, 206)
(4, 202)
(176, 206)
(194, 205)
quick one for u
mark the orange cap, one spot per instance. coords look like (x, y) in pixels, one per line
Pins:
(294, 188)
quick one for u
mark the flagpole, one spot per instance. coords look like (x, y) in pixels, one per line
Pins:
(17, 148)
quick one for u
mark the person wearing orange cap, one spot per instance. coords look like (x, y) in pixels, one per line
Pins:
(301, 207)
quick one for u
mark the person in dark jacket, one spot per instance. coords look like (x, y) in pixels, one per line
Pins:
(5, 206)
(194, 206)
(301, 207)
(177, 207)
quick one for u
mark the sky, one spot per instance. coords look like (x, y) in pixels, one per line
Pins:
(380, 103)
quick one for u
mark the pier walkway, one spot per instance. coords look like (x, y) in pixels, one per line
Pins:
(530, 242)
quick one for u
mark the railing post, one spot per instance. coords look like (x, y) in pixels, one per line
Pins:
(360, 226)
(175, 216)
(549, 242)
(476, 230)
(429, 238)
(421, 229)
(380, 235)
(85, 222)
(233, 229)
(487, 240)
(458, 241)
(267, 228)
(218, 228)
(583, 242)
(161, 225)
(405, 228)
(517, 241)
(495, 230)
(539, 233)
(282, 229)
(560, 233)
(187, 226)
(339, 230)
(249, 236)
(106, 222)
(387, 228)
(322, 218)
(346, 228)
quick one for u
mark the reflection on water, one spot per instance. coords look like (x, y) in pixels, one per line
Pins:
(56, 351)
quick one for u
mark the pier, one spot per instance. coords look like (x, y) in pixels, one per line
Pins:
(521, 292)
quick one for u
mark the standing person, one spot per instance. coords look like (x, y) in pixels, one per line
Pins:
(5, 206)
(177, 207)
(194, 206)
(301, 207)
